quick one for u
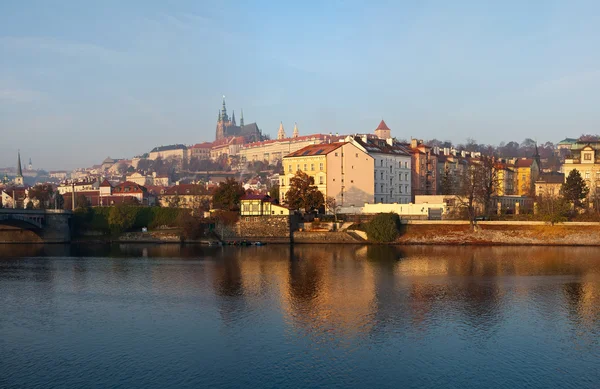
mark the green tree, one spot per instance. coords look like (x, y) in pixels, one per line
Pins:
(574, 189)
(303, 193)
(228, 195)
(81, 202)
(385, 227)
(553, 209)
(447, 182)
(121, 218)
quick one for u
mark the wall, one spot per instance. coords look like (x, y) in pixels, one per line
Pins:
(356, 168)
(264, 228)
(421, 210)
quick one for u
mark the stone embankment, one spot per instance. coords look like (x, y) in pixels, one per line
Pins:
(500, 233)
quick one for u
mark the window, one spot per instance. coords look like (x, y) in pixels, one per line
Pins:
(297, 167)
(336, 154)
(406, 188)
(321, 166)
(321, 180)
(390, 168)
(382, 175)
(587, 156)
(312, 167)
(290, 168)
(356, 155)
(400, 176)
(381, 162)
(587, 175)
(405, 176)
(382, 199)
(352, 181)
(305, 167)
(282, 182)
(400, 188)
(406, 165)
(381, 187)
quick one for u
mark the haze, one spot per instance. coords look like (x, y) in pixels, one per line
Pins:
(80, 81)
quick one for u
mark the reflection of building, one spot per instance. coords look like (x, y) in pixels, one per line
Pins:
(340, 170)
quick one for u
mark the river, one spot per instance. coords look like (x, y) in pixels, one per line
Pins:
(135, 316)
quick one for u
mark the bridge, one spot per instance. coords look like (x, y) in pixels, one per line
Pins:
(35, 226)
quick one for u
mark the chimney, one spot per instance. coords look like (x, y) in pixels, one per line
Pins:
(414, 143)
(390, 141)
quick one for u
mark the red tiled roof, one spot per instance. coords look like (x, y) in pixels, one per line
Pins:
(205, 145)
(105, 183)
(133, 188)
(523, 162)
(261, 197)
(382, 126)
(320, 149)
(183, 189)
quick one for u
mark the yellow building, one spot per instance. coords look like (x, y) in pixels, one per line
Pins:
(549, 184)
(340, 170)
(585, 159)
(261, 205)
(526, 172)
(506, 180)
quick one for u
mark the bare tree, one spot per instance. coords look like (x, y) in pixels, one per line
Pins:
(332, 206)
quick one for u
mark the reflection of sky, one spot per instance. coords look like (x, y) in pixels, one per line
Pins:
(341, 313)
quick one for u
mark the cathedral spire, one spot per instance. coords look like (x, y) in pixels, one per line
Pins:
(233, 118)
(19, 169)
(224, 111)
(242, 119)
(296, 132)
(220, 117)
(281, 132)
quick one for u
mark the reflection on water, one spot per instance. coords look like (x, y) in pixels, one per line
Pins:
(280, 316)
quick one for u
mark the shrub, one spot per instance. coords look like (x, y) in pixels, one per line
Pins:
(384, 227)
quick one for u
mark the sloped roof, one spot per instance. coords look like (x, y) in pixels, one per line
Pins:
(183, 189)
(376, 145)
(552, 178)
(382, 126)
(524, 162)
(320, 149)
(105, 183)
(169, 147)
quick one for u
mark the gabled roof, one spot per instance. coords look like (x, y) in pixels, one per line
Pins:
(105, 184)
(551, 178)
(382, 126)
(185, 189)
(376, 145)
(524, 162)
(312, 150)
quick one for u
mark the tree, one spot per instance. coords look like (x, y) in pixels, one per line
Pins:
(553, 209)
(574, 189)
(191, 228)
(303, 194)
(59, 201)
(274, 192)
(332, 206)
(29, 205)
(42, 193)
(81, 202)
(227, 196)
(466, 193)
(384, 227)
(121, 218)
(487, 180)
(447, 185)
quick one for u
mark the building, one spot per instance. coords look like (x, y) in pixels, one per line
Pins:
(13, 197)
(200, 150)
(585, 158)
(272, 151)
(526, 172)
(261, 205)
(131, 189)
(149, 180)
(60, 175)
(190, 196)
(78, 186)
(227, 127)
(340, 170)
(19, 177)
(423, 169)
(177, 151)
(549, 184)
(392, 166)
(226, 146)
(505, 179)
(566, 144)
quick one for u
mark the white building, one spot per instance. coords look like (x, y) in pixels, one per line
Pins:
(392, 170)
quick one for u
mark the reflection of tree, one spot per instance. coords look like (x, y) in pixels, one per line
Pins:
(228, 278)
(304, 282)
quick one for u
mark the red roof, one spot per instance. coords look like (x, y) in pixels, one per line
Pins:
(205, 145)
(523, 162)
(382, 126)
(319, 149)
(183, 189)
(132, 187)
(105, 183)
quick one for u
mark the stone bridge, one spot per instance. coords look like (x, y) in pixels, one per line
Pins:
(31, 226)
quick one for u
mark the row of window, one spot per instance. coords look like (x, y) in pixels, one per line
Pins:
(312, 167)
(321, 180)
(382, 186)
(399, 176)
(399, 164)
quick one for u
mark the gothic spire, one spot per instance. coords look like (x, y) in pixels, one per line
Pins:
(220, 117)
(281, 132)
(233, 118)
(296, 132)
(242, 119)
(224, 111)
(19, 169)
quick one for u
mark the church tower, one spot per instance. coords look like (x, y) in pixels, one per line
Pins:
(223, 122)
(281, 132)
(242, 119)
(19, 177)
(296, 132)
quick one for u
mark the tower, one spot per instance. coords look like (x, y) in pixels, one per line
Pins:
(296, 133)
(242, 119)
(19, 177)
(382, 131)
(281, 132)
(233, 118)
(30, 166)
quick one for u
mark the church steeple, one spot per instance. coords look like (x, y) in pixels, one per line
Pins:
(224, 111)
(296, 132)
(233, 118)
(220, 117)
(242, 119)
(19, 177)
(281, 132)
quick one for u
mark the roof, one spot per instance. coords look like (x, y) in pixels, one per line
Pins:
(183, 189)
(132, 187)
(376, 145)
(168, 148)
(205, 145)
(524, 162)
(312, 150)
(262, 197)
(567, 141)
(552, 178)
(382, 126)
(105, 184)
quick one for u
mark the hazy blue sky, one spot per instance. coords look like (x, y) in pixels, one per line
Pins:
(81, 80)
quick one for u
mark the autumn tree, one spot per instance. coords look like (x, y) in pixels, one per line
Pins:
(227, 196)
(42, 193)
(332, 206)
(575, 189)
(303, 193)
(274, 192)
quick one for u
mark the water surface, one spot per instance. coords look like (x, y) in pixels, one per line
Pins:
(134, 316)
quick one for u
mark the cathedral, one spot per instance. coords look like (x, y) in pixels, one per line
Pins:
(227, 127)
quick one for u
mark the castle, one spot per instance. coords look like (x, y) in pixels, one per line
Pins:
(227, 127)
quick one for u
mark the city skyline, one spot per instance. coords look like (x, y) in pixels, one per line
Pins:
(80, 82)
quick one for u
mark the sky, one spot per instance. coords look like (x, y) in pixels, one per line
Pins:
(80, 81)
